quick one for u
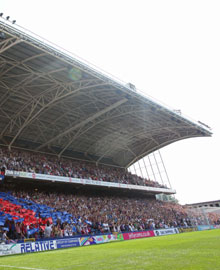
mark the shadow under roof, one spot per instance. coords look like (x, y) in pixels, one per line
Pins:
(55, 103)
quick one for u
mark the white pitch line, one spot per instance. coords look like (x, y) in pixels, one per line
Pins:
(20, 267)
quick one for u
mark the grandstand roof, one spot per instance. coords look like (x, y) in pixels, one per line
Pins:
(54, 102)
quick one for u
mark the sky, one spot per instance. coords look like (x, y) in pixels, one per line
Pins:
(167, 49)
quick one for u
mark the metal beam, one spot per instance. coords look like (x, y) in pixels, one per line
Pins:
(33, 115)
(8, 43)
(19, 63)
(91, 118)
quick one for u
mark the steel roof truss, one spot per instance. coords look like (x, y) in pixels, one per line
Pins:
(82, 123)
(32, 114)
(8, 43)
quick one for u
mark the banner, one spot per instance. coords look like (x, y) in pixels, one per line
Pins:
(37, 246)
(68, 242)
(9, 249)
(205, 227)
(100, 239)
(136, 235)
(86, 241)
(28, 247)
(190, 229)
(108, 238)
(55, 178)
(161, 232)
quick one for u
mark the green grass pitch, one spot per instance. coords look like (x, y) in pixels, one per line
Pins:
(191, 251)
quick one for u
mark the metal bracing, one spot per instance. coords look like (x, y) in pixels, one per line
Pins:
(158, 169)
(8, 43)
(33, 113)
(148, 177)
(18, 115)
(164, 169)
(140, 170)
(43, 104)
(129, 149)
(19, 64)
(82, 123)
(130, 138)
(70, 142)
(120, 143)
(28, 80)
(83, 131)
(154, 148)
(112, 146)
(15, 90)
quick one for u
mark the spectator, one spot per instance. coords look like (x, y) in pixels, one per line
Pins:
(48, 230)
(17, 160)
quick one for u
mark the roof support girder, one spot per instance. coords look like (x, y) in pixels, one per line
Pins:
(82, 123)
(33, 113)
(8, 43)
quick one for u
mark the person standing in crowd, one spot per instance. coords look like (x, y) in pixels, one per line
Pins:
(48, 230)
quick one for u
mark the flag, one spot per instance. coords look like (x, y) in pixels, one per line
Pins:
(32, 231)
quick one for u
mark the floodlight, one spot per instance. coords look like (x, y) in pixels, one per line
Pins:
(1, 14)
(8, 17)
(14, 21)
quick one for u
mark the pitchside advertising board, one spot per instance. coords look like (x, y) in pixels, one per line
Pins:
(9, 249)
(29, 247)
(68, 242)
(188, 229)
(166, 231)
(205, 227)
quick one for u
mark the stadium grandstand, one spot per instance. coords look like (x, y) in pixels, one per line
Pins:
(69, 134)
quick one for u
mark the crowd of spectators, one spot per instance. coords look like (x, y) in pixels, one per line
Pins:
(19, 160)
(88, 212)
(214, 218)
(95, 214)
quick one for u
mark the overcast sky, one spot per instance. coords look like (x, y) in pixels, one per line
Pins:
(169, 49)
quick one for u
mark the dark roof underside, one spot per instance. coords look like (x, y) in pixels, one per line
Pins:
(52, 102)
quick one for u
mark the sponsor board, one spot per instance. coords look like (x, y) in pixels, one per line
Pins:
(9, 249)
(120, 237)
(86, 241)
(116, 237)
(100, 239)
(205, 227)
(28, 247)
(136, 235)
(108, 238)
(217, 226)
(191, 229)
(68, 242)
(161, 232)
(37, 246)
